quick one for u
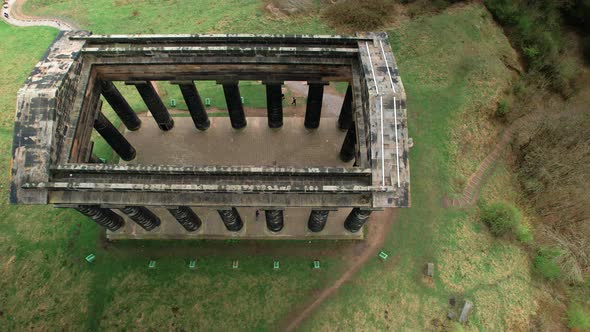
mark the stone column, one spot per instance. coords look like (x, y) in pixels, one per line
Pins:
(348, 151)
(231, 219)
(274, 220)
(345, 119)
(113, 137)
(120, 105)
(274, 104)
(195, 104)
(103, 217)
(142, 216)
(317, 220)
(315, 95)
(154, 104)
(186, 217)
(356, 219)
(234, 104)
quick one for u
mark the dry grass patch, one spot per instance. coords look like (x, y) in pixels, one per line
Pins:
(493, 274)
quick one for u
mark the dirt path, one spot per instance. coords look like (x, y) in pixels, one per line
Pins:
(471, 191)
(16, 18)
(378, 228)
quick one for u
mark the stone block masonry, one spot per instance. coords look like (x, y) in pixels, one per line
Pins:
(60, 104)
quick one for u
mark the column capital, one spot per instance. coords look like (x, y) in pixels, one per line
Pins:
(102, 216)
(186, 217)
(139, 83)
(142, 216)
(317, 83)
(229, 81)
(231, 219)
(182, 82)
(370, 209)
(273, 82)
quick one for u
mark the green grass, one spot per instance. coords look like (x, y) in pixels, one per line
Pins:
(451, 66)
(545, 263)
(578, 318)
(254, 94)
(197, 16)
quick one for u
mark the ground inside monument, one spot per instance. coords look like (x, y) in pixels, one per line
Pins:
(291, 145)
(254, 145)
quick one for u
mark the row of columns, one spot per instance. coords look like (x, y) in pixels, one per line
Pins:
(230, 217)
(274, 102)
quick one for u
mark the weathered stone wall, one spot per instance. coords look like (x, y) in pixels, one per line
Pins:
(43, 106)
(66, 97)
(59, 102)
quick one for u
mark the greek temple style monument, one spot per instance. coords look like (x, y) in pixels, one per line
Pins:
(307, 176)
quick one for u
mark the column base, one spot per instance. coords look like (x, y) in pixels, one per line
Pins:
(166, 126)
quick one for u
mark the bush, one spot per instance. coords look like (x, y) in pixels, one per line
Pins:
(502, 109)
(524, 234)
(578, 318)
(545, 263)
(359, 15)
(502, 218)
(536, 28)
(564, 74)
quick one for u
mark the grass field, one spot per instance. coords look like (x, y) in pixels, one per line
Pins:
(452, 68)
(152, 16)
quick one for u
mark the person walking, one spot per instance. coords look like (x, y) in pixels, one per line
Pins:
(294, 102)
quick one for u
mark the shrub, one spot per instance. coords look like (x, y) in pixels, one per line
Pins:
(536, 28)
(545, 263)
(502, 109)
(501, 217)
(524, 234)
(578, 318)
(359, 15)
(563, 76)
